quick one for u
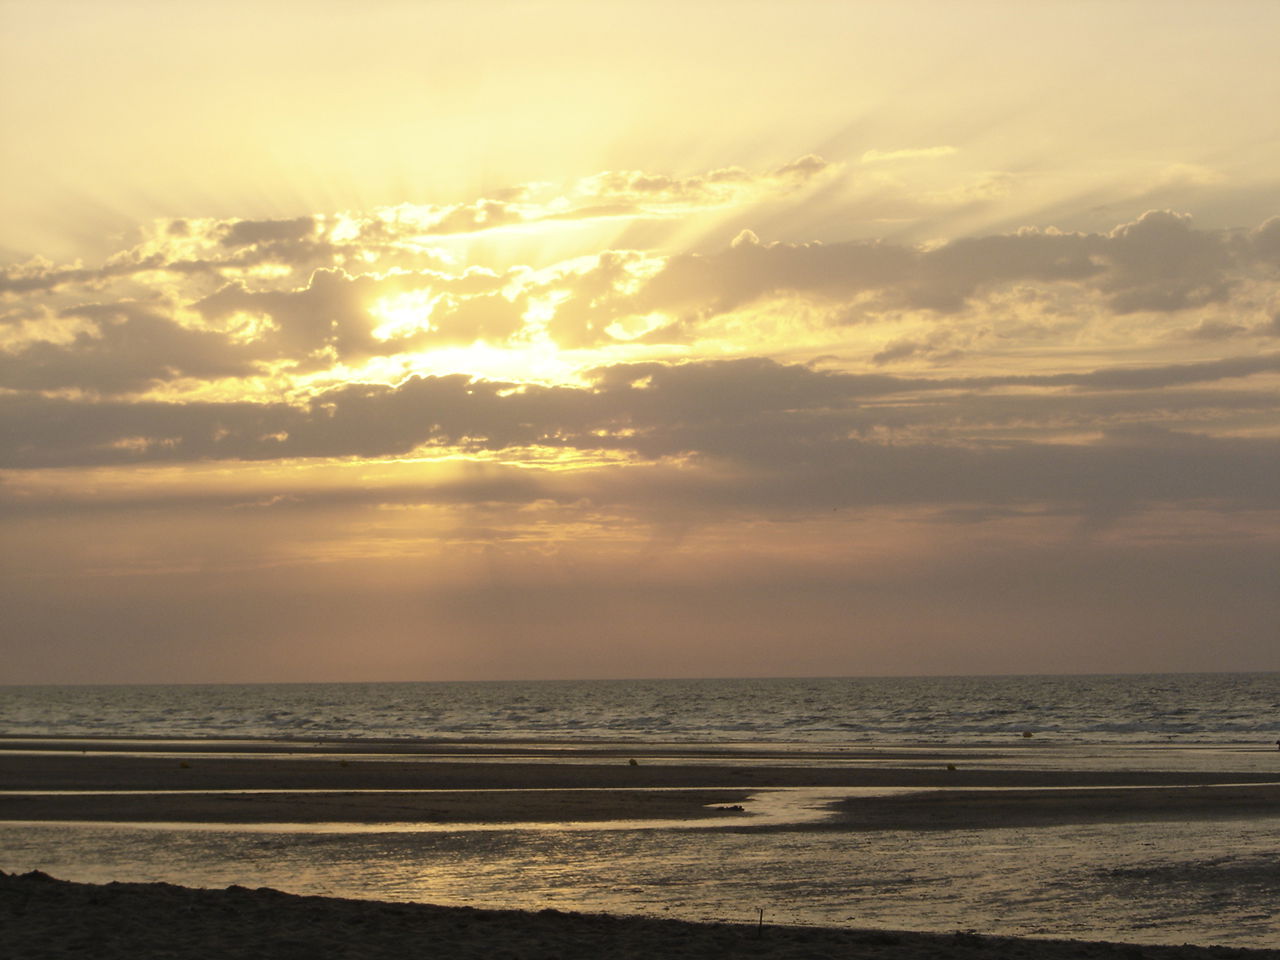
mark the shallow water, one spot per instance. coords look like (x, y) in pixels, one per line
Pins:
(1203, 882)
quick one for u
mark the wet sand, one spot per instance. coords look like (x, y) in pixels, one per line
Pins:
(275, 783)
(587, 786)
(465, 806)
(979, 809)
(46, 918)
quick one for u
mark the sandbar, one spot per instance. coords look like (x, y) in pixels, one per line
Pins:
(350, 782)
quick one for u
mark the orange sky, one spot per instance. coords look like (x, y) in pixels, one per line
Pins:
(444, 341)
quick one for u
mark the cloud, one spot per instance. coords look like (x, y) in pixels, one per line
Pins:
(919, 153)
(650, 193)
(1265, 242)
(754, 435)
(42, 275)
(1148, 378)
(1158, 263)
(242, 233)
(127, 347)
(473, 218)
(938, 347)
(1218, 330)
(652, 409)
(320, 280)
(699, 285)
(235, 250)
(336, 317)
(997, 400)
(327, 320)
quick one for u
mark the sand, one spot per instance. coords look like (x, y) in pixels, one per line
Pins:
(466, 806)
(225, 783)
(978, 809)
(41, 917)
(250, 783)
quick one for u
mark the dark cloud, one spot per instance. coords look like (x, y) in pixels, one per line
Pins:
(329, 314)
(726, 408)
(954, 273)
(1158, 262)
(1218, 330)
(898, 350)
(1145, 378)
(474, 217)
(1019, 432)
(749, 434)
(594, 301)
(131, 346)
(293, 252)
(47, 277)
(242, 233)
(763, 436)
(749, 270)
(1266, 242)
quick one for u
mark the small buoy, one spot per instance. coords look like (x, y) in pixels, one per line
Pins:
(951, 766)
(632, 762)
(1026, 734)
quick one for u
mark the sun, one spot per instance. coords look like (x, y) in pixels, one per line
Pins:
(529, 355)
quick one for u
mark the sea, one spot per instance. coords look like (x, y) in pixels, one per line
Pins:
(1220, 708)
(1205, 881)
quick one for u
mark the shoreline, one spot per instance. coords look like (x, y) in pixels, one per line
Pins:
(291, 784)
(478, 803)
(47, 917)
(515, 806)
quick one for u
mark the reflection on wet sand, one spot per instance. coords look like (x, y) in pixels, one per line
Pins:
(930, 843)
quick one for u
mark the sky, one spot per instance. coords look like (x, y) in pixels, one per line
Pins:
(491, 340)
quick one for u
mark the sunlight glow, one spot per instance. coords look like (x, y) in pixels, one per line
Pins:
(530, 363)
(896, 348)
(402, 314)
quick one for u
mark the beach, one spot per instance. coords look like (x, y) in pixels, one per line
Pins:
(343, 786)
(49, 918)
(358, 782)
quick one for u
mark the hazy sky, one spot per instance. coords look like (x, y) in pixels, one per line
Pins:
(435, 340)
